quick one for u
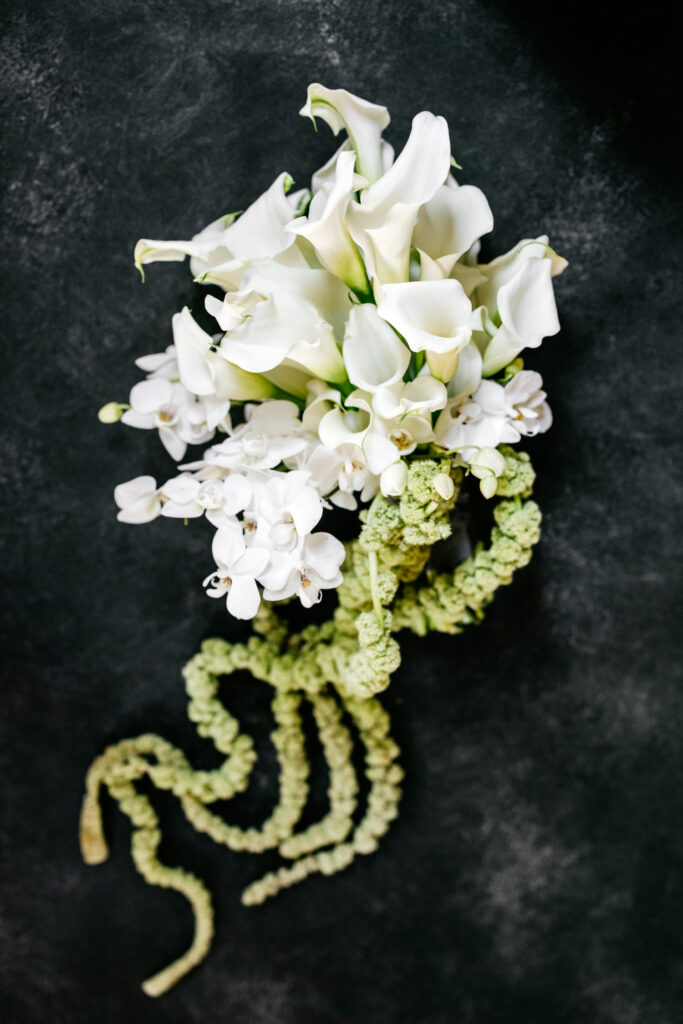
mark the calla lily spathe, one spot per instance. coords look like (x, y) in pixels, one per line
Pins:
(285, 326)
(374, 355)
(449, 224)
(363, 122)
(326, 228)
(382, 222)
(527, 311)
(207, 372)
(434, 317)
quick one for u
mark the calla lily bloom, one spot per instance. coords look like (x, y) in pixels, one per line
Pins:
(527, 311)
(450, 223)
(433, 316)
(206, 372)
(374, 355)
(326, 229)
(285, 326)
(363, 122)
(382, 222)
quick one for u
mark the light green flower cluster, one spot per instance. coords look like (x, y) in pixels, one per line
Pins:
(338, 667)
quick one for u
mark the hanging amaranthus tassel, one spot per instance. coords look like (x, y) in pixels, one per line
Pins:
(337, 667)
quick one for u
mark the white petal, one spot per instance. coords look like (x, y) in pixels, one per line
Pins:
(527, 304)
(364, 123)
(430, 315)
(237, 494)
(243, 597)
(173, 444)
(306, 509)
(252, 562)
(260, 232)
(136, 419)
(181, 488)
(379, 452)
(228, 545)
(143, 511)
(374, 355)
(468, 375)
(150, 395)
(393, 479)
(192, 346)
(133, 490)
(450, 222)
(172, 510)
(324, 553)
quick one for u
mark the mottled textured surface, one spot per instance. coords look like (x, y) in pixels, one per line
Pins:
(536, 872)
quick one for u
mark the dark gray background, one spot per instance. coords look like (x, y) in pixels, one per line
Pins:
(536, 872)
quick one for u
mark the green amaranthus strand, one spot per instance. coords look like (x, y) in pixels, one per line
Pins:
(338, 667)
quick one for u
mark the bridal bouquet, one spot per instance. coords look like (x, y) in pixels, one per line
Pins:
(352, 352)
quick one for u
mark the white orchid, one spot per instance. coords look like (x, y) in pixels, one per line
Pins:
(385, 427)
(361, 331)
(160, 364)
(496, 414)
(289, 507)
(237, 568)
(138, 500)
(220, 499)
(267, 438)
(159, 404)
(309, 569)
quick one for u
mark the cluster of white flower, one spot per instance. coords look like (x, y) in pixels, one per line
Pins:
(357, 327)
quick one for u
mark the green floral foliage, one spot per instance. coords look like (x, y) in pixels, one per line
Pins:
(338, 667)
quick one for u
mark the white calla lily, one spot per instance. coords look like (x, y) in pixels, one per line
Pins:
(434, 317)
(261, 232)
(374, 355)
(467, 377)
(503, 268)
(206, 372)
(382, 222)
(208, 246)
(363, 122)
(327, 293)
(285, 326)
(528, 314)
(326, 229)
(450, 223)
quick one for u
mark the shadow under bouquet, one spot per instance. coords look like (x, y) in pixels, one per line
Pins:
(361, 358)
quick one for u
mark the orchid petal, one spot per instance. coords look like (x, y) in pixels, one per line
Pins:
(243, 597)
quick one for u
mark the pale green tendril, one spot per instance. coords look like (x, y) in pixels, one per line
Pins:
(338, 667)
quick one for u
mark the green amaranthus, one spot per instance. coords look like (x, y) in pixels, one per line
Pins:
(338, 666)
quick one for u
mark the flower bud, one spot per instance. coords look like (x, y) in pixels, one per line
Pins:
(393, 480)
(444, 486)
(111, 412)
